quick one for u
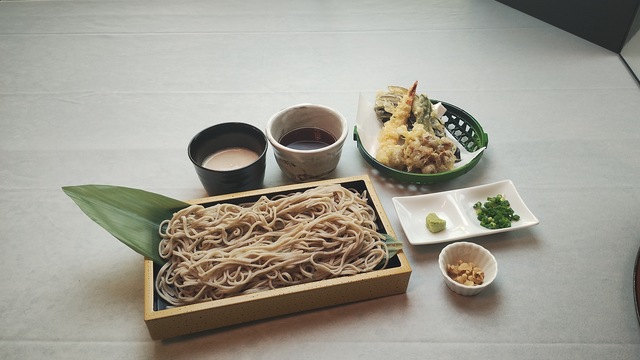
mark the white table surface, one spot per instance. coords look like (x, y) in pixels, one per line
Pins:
(111, 92)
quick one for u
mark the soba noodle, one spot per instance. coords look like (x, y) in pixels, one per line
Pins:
(227, 249)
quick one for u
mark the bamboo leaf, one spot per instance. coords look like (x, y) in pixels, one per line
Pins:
(393, 245)
(133, 216)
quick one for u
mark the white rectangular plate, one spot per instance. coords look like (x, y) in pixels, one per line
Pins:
(456, 207)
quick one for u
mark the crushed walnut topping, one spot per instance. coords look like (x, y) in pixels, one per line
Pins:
(466, 273)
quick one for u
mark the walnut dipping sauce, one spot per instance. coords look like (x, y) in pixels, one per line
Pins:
(229, 157)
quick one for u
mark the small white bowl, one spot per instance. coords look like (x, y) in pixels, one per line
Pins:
(468, 252)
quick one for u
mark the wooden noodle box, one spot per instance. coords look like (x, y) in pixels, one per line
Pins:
(164, 321)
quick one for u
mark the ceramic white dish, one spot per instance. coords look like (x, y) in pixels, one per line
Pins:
(456, 207)
(468, 252)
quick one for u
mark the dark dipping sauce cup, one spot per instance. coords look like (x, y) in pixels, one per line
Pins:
(227, 137)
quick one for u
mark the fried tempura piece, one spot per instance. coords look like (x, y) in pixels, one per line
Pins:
(419, 149)
(389, 140)
(426, 153)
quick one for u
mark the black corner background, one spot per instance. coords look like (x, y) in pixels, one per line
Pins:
(606, 23)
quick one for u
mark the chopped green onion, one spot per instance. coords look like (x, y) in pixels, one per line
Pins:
(495, 213)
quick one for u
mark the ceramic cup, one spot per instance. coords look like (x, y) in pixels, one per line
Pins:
(307, 140)
(229, 157)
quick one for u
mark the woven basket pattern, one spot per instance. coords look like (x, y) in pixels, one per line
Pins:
(462, 129)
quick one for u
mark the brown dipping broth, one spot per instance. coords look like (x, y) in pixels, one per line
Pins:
(307, 138)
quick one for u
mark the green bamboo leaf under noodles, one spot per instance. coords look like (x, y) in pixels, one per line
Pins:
(133, 216)
(393, 245)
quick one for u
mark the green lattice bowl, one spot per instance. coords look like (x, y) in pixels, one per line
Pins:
(460, 125)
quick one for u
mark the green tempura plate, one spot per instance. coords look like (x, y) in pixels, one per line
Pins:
(459, 124)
